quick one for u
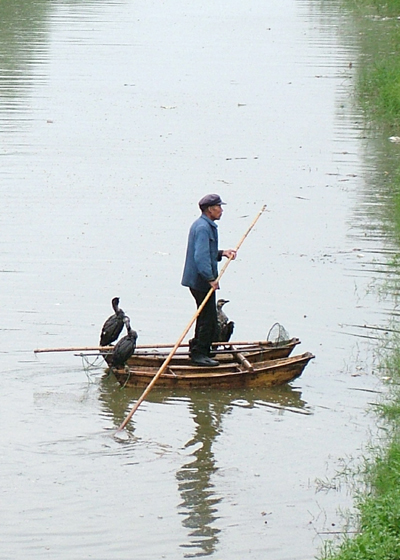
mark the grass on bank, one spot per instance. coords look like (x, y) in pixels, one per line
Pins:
(378, 504)
(389, 8)
(378, 536)
(378, 89)
(378, 531)
(378, 86)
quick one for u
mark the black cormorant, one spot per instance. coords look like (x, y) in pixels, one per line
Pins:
(125, 347)
(225, 327)
(113, 326)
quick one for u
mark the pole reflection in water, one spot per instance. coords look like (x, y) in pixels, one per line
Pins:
(199, 499)
(115, 401)
(199, 495)
(198, 490)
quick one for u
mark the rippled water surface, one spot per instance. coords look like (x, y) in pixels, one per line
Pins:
(115, 118)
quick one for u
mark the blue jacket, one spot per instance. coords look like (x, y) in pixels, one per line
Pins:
(202, 255)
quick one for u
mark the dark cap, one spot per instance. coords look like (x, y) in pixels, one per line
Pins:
(210, 200)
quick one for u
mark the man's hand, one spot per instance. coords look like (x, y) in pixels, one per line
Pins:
(214, 284)
(229, 253)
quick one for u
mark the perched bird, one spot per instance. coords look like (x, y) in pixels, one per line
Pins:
(113, 326)
(125, 347)
(225, 327)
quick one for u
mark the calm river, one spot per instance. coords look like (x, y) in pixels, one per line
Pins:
(116, 117)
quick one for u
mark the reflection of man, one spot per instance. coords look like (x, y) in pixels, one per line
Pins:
(200, 274)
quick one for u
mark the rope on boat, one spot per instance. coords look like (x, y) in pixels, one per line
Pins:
(89, 365)
(127, 379)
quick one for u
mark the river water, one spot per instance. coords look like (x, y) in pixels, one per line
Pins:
(116, 117)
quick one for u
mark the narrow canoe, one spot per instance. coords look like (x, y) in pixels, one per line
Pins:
(230, 374)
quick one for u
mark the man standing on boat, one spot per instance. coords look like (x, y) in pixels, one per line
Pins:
(200, 274)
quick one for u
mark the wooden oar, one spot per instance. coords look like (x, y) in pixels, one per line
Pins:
(186, 330)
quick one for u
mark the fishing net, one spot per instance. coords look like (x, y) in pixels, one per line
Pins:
(278, 334)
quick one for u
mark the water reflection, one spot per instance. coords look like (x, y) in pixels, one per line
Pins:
(25, 29)
(199, 500)
(23, 41)
(115, 401)
(200, 497)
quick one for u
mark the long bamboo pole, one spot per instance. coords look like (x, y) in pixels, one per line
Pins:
(186, 330)
(139, 347)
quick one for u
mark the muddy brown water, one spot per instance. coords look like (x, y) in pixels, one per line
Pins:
(115, 118)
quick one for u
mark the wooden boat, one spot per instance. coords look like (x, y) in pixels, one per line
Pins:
(232, 373)
(258, 351)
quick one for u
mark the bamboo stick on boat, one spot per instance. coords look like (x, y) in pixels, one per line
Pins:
(239, 356)
(180, 353)
(255, 343)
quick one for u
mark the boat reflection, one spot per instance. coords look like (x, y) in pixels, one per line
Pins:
(200, 498)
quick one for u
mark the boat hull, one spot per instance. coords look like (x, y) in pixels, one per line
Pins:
(265, 373)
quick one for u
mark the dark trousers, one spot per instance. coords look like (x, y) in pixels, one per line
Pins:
(206, 325)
